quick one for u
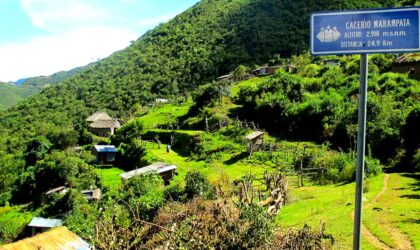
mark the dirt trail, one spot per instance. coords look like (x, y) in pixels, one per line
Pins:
(372, 239)
(401, 240)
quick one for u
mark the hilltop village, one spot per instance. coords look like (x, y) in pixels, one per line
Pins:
(173, 145)
(217, 130)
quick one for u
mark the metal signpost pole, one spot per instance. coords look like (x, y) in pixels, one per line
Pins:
(361, 140)
(393, 30)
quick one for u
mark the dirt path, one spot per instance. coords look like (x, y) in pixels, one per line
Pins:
(401, 240)
(371, 238)
(378, 195)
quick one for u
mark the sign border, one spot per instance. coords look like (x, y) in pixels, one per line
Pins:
(334, 13)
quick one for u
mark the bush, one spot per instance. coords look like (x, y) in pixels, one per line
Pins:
(213, 224)
(82, 220)
(145, 193)
(130, 154)
(184, 139)
(55, 170)
(13, 221)
(174, 192)
(196, 184)
(341, 167)
(128, 132)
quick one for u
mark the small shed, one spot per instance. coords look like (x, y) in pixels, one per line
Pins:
(40, 225)
(167, 171)
(57, 238)
(92, 195)
(105, 154)
(255, 139)
(104, 127)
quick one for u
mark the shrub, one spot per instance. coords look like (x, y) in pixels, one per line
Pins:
(373, 167)
(82, 220)
(130, 154)
(196, 184)
(128, 132)
(212, 224)
(145, 193)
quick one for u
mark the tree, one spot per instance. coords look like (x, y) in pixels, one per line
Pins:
(36, 150)
(55, 170)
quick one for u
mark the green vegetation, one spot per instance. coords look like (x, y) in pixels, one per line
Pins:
(12, 221)
(44, 81)
(322, 106)
(165, 115)
(110, 177)
(10, 94)
(308, 109)
(333, 205)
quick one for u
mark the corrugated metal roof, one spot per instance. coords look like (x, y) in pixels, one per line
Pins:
(42, 222)
(158, 167)
(57, 238)
(105, 148)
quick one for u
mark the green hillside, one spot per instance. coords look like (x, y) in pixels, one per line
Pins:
(206, 41)
(11, 94)
(42, 81)
(307, 108)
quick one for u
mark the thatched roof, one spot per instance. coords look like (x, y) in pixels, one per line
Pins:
(158, 167)
(99, 116)
(254, 135)
(57, 238)
(105, 124)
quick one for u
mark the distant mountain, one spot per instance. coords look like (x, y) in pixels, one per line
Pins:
(11, 94)
(41, 81)
(20, 81)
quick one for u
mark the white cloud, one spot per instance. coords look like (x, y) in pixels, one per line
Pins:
(156, 20)
(50, 54)
(59, 14)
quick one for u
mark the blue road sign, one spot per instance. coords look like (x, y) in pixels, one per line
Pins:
(367, 31)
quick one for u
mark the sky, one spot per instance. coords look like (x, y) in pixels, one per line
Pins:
(42, 37)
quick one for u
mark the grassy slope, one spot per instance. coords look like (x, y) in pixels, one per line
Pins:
(332, 204)
(110, 177)
(398, 207)
(11, 94)
(214, 169)
(164, 114)
(400, 204)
